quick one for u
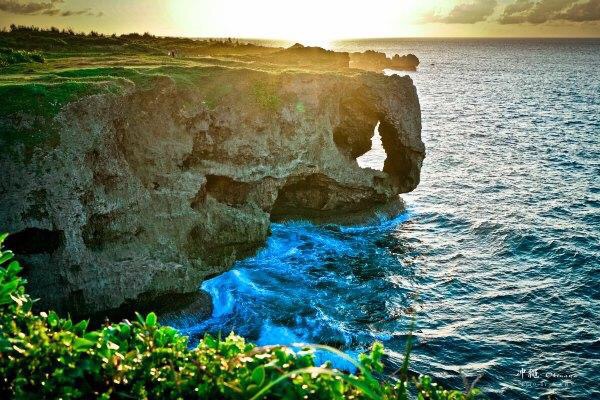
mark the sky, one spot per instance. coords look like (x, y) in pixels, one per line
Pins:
(313, 20)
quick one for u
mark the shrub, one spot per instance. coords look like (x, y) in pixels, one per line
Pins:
(10, 56)
(46, 356)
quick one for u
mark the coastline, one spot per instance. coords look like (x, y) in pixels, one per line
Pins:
(164, 174)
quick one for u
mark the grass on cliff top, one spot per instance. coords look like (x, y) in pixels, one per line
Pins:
(45, 356)
(69, 42)
(31, 96)
(28, 109)
(76, 65)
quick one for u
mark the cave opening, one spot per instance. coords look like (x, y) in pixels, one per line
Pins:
(227, 190)
(303, 196)
(376, 156)
(34, 241)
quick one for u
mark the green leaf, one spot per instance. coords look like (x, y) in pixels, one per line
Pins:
(124, 328)
(92, 335)
(8, 288)
(81, 344)
(67, 324)
(151, 319)
(366, 390)
(6, 255)
(80, 327)
(14, 268)
(210, 342)
(258, 375)
(407, 351)
(52, 319)
(252, 388)
(139, 318)
(362, 386)
(338, 353)
(3, 238)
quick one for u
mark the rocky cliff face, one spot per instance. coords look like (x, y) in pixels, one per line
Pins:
(376, 61)
(153, 190)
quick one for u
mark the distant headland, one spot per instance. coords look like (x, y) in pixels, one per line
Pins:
(30, 38)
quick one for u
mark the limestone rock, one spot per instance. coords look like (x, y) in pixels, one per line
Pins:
(151, 191)
(377, 61)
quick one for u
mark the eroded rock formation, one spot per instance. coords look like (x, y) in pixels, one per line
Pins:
(377, 61)
(153, 190)
(302, 56)
(299, 55)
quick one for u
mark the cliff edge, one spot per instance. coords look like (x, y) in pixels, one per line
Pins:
(161, 177)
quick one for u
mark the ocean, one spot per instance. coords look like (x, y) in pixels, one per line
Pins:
(497, 256)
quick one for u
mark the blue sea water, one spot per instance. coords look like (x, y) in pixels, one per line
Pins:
(497, 256)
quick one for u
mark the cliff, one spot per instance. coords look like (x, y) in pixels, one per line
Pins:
(376, 61)
(130, 185)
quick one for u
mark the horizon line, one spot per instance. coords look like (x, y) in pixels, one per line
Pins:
(391, 37)
(6, 26)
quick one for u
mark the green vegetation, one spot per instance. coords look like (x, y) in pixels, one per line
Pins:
(42, 70)
(45, 356)
(30, 102)
(56, 41)
(10, 56)
(266, 96)
(32, 107)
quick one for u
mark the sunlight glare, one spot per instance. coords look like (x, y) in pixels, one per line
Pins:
(311, 22)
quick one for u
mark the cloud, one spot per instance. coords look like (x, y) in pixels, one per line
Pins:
(465, 13)
(581, 12)
(67, 13)
(15, 7)
(540, 11)
(50, 8)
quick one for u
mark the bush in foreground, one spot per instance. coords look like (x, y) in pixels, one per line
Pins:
(45, 356)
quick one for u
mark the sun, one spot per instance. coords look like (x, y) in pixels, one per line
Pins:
(311, 22)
